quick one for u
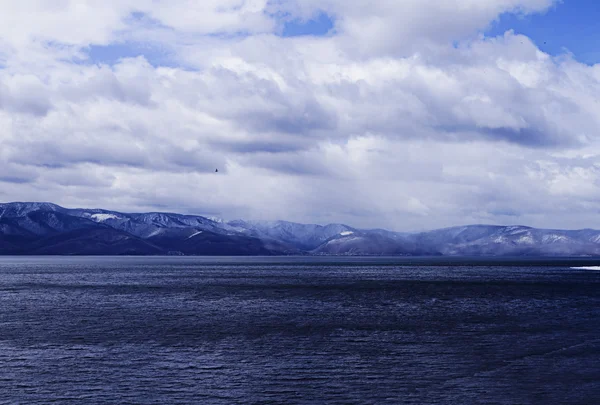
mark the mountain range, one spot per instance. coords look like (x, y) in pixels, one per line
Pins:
(28, 228)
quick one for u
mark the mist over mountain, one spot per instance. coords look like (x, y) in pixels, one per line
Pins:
(28, 228)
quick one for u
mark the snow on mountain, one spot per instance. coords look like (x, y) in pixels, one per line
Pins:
(217, 220)
(24, 227)
(553, 238)
(194, 234)
(344, 240)
(19, 209)
(103, 217)
(303, 236)
(525, 239)
(510, 240)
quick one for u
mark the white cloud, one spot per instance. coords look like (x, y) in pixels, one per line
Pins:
(384, 122)
(394, 27)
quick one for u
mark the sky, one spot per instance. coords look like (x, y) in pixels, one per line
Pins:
(401, 114)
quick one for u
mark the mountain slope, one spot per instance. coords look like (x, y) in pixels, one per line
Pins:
(306, 237)
(97, 241)
(193, 241)
(486, 240)
(46, 228)
(43, 228)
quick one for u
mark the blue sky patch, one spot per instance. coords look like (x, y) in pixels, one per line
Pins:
(112, 54)
(317, 26)
(572, 26)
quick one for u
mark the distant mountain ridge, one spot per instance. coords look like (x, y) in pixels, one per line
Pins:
(30, 228)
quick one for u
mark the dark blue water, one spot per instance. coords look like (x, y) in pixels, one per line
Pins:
(229, 331)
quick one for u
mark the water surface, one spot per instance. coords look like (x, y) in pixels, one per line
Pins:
(297, 330)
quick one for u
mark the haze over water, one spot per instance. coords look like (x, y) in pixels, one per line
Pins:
(316, 330)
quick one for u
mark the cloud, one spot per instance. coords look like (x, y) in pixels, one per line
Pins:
(403, 116)
(401, 28)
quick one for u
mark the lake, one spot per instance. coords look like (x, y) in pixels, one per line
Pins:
(170, 330)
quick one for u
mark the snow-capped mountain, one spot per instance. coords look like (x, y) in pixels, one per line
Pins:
(307, 237)
(42, 228)
(18, 209)
(511, 240)
(46, 228)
